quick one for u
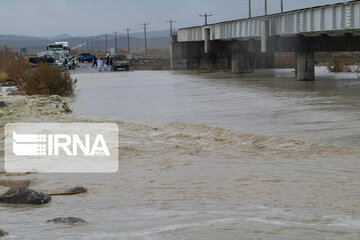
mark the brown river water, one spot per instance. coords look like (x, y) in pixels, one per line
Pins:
(210, 156)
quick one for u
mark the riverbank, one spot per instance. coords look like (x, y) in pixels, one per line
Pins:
(182, 176)
(21, 108)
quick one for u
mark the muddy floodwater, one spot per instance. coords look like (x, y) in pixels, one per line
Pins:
(211, 156)
(269, 102)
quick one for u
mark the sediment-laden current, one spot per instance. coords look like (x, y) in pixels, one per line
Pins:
(207, 156)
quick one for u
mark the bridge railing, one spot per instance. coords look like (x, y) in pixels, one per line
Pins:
(341, 16)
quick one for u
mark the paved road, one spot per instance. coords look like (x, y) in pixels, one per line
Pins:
(84, 68)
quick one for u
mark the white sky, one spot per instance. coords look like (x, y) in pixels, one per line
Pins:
(94, 17)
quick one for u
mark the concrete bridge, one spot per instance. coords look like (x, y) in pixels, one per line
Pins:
(244, 44)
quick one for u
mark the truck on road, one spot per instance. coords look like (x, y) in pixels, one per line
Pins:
(121, 61)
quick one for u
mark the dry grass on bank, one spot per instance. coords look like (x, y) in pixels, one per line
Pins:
(341, 62)
(44, 80)
(335, 62)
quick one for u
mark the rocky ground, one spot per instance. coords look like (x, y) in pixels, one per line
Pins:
(15, 107)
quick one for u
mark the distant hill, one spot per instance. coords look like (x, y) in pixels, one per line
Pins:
(156, 39)
(152, 34)
(64, 35)
(17, 42)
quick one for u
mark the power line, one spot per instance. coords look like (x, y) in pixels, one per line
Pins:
(145, 28)
(171, 26)
(206, 17)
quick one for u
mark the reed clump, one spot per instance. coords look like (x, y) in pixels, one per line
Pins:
(46, 79)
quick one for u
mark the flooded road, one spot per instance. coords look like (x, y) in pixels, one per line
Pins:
(211, 156)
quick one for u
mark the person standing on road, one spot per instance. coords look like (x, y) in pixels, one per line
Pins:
(95, 62)
(107, 61)
(111, 63)
(100, 64)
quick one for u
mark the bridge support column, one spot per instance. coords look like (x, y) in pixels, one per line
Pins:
(305, 66)
(207, 40)
(242, 62)
(265, 33)
(173, 40)
(296, 68)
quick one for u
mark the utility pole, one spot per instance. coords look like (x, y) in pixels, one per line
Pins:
(115, 42)
(128, 38)
(249, 8)
(98, 42)
(171, 26)
(282, 6)
(266, 8)
(206, 17)
(145, 27)
(106, 43)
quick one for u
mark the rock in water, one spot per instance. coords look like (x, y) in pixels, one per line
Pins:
(66, 108)
(3, 233)
(77, 190)
(3, 104)
(24, 195)
(68, 220)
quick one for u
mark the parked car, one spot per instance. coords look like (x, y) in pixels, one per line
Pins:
(67, 63)
(86, 57)
(42, 59)
(121, 61)
(63, 63)
(73, 63)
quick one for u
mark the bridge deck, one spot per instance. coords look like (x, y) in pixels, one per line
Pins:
(332, 19)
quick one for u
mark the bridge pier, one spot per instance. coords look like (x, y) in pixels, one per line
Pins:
(207, 40)
(265, 60)
(186, 55)
(305, 66)
(242, 62)
(296, 68)
(242, 56)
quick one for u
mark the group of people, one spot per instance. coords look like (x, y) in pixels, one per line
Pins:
(103, 63)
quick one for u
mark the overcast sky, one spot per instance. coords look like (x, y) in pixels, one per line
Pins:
(94, 17)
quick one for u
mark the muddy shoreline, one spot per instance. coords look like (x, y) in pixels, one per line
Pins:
(191, 180)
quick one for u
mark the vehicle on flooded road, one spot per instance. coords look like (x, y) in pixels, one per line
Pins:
(59, 46)
(67, 63)
(121, 62)
(86, 57)
(42, 59)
